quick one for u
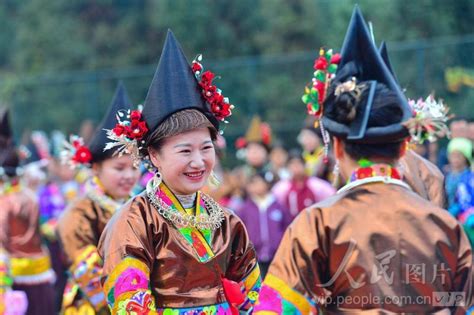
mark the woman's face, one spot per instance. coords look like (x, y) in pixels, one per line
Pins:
(256, 154)
(185, 160)
(457, 161)
(117, 175)
(308, 140)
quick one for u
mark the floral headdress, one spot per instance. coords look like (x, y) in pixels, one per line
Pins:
(131, 128)
(429, 120)
(325, 67)
(128, 134)
(220, 105)
(75, 153)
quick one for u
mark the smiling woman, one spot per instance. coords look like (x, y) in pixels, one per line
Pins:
(173, 249)
(81, 225)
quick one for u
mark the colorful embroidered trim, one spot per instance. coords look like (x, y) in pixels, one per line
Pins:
(198, 239)
(276, 297)
(86, 273)
(5, 280)
(127, 288)
(251, 285)
(219, 309)
(32, 270)
(96, 192)
(369, 169)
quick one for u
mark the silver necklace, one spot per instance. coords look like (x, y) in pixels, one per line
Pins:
(202, 221)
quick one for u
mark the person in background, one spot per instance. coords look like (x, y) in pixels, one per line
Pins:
(317, 163)
(29, 266)
(173, 249)
(361, 244)
(301, 190)
(256, 146)
(81, 224)
(459, 156)
(278, 160)
(265, 218)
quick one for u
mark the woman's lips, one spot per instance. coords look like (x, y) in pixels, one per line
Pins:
(195, 176)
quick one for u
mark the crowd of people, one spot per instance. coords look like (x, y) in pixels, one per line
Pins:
(140, 216)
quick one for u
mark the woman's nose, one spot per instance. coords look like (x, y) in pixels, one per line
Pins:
(197, 160)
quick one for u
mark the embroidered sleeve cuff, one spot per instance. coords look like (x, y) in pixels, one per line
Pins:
(127, 288)
(86, 273)
(276, 297)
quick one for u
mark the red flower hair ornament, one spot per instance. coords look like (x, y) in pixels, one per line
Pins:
(128, 134)
(75, 153)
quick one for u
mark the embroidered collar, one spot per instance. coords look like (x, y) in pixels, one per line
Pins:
(370, 172)
(10, 187)
(95, 192)
(369, 169)
(196, 229)
(171, 209)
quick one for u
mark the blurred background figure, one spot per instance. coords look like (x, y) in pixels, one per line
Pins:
(313, 151)
(265, 218)
(29, 264)
(459, 156)
(301, 190)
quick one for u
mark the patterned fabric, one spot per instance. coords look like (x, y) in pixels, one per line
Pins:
(95, 191)
(85, 277)
(251, 288)
(276, 297)
(369, 169)
(32, 270)
(220, 309)
(199, 239)
(127, 288)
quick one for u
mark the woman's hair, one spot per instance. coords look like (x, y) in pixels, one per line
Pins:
(9, 160)
(179, 122)
(386, 110)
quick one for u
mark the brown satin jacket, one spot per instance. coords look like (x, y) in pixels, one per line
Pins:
(377, 248)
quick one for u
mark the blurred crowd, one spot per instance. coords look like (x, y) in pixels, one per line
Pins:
(272, 184)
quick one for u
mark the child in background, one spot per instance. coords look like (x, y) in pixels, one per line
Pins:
(301, 191)
(459, 156)
(265, 218)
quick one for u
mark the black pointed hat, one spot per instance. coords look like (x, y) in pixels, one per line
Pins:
(384, 54)
(96, 145)
(9, 160)
(361, 59)
(174, 88)
(5, 127)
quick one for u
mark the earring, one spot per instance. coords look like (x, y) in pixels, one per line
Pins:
(213, 180)
(156, 180)
(335, 173)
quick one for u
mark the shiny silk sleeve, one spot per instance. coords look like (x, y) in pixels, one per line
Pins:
(78, 238)
(294, 281)
(127, 248)
(243, 267)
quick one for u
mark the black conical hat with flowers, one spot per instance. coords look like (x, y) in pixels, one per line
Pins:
(96, 145)
(361, 59)
(174, 88)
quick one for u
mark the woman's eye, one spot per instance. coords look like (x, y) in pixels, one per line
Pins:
(208, 147)
(185, 151)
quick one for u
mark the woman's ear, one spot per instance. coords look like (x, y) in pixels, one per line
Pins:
(96, 168)
(404, 148)
(338, 148)
(154, 157)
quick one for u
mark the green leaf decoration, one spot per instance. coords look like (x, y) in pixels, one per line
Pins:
(320, 76)
(332, 68)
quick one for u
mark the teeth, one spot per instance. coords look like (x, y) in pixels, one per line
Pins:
(194, 174)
